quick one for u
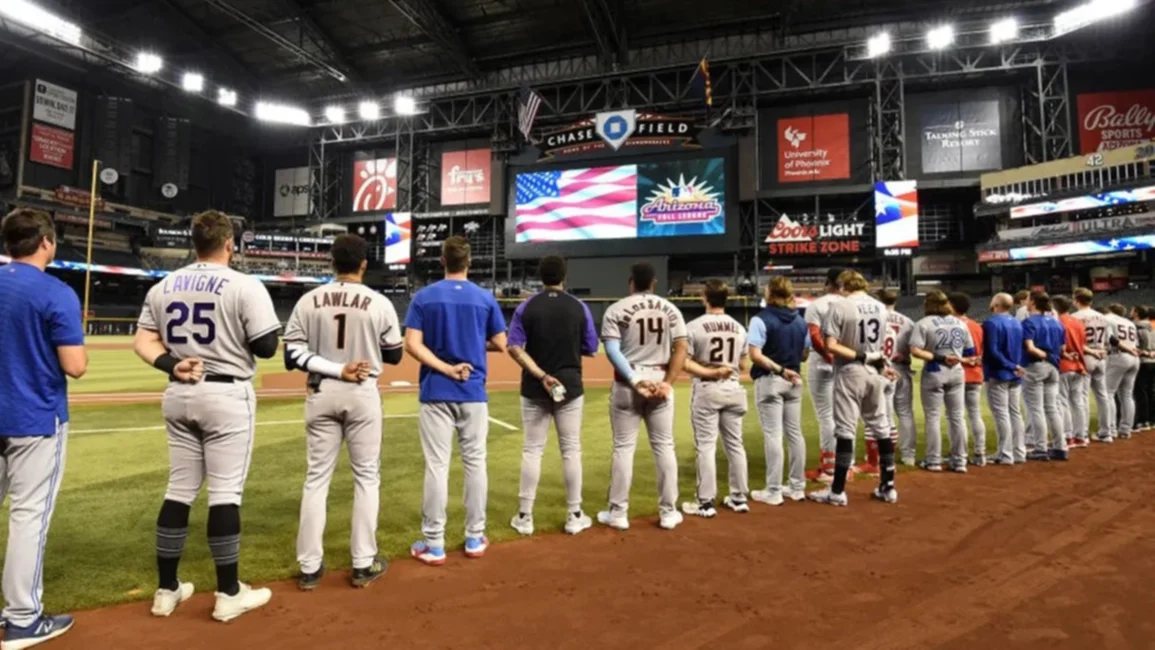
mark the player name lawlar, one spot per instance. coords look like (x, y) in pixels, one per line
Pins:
(341, 299)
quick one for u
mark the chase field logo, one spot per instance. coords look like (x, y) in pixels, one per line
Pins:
(682, 201)
(795, 136)
(615, 127)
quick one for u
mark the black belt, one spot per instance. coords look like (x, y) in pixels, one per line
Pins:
(216, 379)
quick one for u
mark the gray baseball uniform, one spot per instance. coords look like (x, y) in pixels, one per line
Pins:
(342, 323)
(1122, 369)
(820, 381)
(647, 326)
(858, 322)
(1098, 338)
(942, 384)
(210, 312)
(718, 406)
(1021, 314)
(900, 393)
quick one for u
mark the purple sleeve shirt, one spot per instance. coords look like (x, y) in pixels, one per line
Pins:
(590, 338)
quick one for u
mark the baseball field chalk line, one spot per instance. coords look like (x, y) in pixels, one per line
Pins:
(268, 423)
(505, 425)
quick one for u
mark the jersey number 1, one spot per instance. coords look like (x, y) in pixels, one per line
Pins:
(653, 326)
(340, 318)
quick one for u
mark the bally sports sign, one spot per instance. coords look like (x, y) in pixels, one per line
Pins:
(789, 237)
(1114, 120)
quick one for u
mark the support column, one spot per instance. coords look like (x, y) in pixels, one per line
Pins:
(1047, 112)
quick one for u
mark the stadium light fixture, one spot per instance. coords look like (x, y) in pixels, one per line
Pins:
(878, 45)
(1004, 30)
(1090, 12)
(41, 20)
(193, 82)
(940, 37)
(335, 114)
(226, 97)
(282, 114)
(404, 105)
(148, 63)
(369, 110)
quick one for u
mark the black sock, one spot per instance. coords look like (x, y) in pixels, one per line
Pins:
(225, 546)
(843, 459)
(886, 462)
(171, 533)
(577, 514)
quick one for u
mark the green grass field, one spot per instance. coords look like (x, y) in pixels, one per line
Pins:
(101, 545)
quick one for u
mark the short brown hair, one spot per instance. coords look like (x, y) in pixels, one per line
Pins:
(1117, 308)
(780, 291)
(455, 254)
(852, 281)
(1084, 296)
(349, 252)
(212, 230)
(1062, 304)
(937, 304)
(716, 293)
(1021, 296)
(24, 229)
(1041, 301)
(888, 297)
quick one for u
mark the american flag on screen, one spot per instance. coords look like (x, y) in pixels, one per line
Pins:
(577, 204)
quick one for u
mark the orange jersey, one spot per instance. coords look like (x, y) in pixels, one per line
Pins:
(974, 374)
(1076, 342)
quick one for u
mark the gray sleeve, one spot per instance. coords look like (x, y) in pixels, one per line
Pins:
(918, 335)
(832, 322)
(611, 329)
(149, 319)
(678, 326)
(257, 312)
(295, 328)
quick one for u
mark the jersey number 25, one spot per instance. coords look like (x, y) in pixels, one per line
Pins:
(203, 329)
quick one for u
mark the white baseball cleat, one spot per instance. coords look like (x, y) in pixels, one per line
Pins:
(889, 496)
(705, 510)
(165, 602)
(246, 600)
(792, 494)
(576, 522)
(617, 522)
(829, 497)
(522, 524)
(739, 506)
(670, 520)
(769, 497)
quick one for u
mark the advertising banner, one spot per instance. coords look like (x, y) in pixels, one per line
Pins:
(1092, 247)
(291, 192)
(814, 148)
(1105, 226)
(615, 130)
(374, 184)
(896, 214)
(398, 238)
(940, 264)
(1113, 120)
(995, 256)
(1089, 201)
(962, 136)
(789, 237)
(52, 146)
(682, 198)
(465, 177)
(54, 104)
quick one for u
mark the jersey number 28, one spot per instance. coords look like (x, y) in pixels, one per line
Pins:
(203, 329)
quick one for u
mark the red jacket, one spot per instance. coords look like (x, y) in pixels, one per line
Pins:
(974, 374)
(1076, 343)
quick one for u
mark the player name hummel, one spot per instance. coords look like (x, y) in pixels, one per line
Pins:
(713, 327)
(341, 299)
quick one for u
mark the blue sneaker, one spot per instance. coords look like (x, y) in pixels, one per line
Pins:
(431, 555)
(1058, 454)
(44, 629)
(1039, 455)
(475, 546)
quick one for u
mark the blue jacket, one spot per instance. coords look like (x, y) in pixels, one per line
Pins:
(1002, 347)
(782, 335)
(1048, 334)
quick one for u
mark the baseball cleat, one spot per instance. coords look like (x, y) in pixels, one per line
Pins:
(42, 629)
(929, 466)
(908, 461)
(617, 522)
(868, 470)
(310, 581)
(1124, 436)
(791, 494)
(362, 578)
(736, 504)
(1082, 443)
(431, 555)
(704, 509)
(828, 496)
(958, 469)
(1058, 454)
(1104, 439)
(165, 601)
(523, 524)
(670, 520)
(475, 546)
(979, 461)
(827, 479)
(769, 497)
(576, 522)
(1040, 455)
(889, 495)
(246, 600)
(1002, 460)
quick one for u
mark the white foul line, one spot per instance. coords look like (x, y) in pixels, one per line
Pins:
(503, 424)
(267, 423)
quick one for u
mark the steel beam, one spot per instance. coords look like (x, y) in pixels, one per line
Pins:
(436, 26)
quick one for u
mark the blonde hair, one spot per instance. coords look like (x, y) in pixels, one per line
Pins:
(852, 281)
(780, 291)
(937, 304)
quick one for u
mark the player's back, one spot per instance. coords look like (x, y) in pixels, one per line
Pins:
(859, 322)
(344, 322)
(1096, 326)
(647, 326)
(717, 340)
(211, 312)
(942, 335)
(896, 345)
(816, 313)
(1125, 329)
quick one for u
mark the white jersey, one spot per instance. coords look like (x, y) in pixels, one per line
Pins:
(211, 312)
(345, 322)
(1124, 330)
(1022, 313)
(717, 340)
(647, 325)
(896, 344)
(858, 321)
(816, 313)
(1097, 328)
(942, 335)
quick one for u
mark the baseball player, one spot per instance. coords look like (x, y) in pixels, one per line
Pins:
(777, 347)
(899, 393)
(1122, 367)
(943, 341)
(820, 376)
(1043, 341)
(855, 329)
(548, 336)
(448, 329)
(1072, 375)
(210, 312)
(341, 334)
(960, 304)
(43, 345)
(1095, 356)
(645, 339)
(1002, 367)
(1145, 379)
(715, 359)
(1022, 305)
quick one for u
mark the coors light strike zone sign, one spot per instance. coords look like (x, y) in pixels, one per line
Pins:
(792, 238)
(1115, 120)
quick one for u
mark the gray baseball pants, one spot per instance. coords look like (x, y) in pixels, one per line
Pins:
(1122, 370)
(900, 394)
(974, 403)
(31, 469)
(210, 440)
(437, 422)
(1073, 402)
(628, 410)
(860, 392)
(535, 418)
(717, 407)
(350, 413)
(1097, 382)
(1004, 398)
(1041, 392)
(945, 387)
(779, 404)
(820, 382)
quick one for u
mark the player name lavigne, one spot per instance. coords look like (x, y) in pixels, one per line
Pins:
(341, 299)
(201, 283)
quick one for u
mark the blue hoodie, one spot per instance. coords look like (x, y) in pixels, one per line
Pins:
(782, 335)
